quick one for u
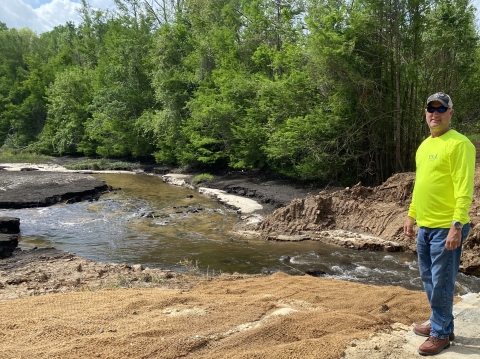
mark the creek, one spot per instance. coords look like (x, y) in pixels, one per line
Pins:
(170, 227)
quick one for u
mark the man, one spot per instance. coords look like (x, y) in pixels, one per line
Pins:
(441, 200)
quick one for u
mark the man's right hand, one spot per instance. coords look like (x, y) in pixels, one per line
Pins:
(408, 227)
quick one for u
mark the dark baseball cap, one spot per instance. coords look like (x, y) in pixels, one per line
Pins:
(441, 97)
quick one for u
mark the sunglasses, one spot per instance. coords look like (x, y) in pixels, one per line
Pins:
(441, 109)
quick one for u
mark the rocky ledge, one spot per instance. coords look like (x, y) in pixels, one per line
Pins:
(39, 189)
(9, 230)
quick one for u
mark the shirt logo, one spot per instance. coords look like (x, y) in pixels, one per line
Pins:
(433, 157)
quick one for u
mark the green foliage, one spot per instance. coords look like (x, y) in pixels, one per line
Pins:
(316, 90)
(309, 148)
(475, 137)
(15, 156)
(203, 177)
(103, 165)
(174, 83)
(122, 89)
(23, 77)
(69, 97)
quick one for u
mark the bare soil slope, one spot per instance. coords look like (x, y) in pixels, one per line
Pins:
(377, 211)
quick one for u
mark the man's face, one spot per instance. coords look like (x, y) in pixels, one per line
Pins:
(439, 123)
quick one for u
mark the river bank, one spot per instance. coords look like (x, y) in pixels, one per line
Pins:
(361, 218)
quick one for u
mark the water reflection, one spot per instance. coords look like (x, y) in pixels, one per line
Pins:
(160, 225)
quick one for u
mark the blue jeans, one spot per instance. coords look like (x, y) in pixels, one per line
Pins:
(438, 270)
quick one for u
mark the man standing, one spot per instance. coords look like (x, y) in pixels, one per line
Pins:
(441, 200)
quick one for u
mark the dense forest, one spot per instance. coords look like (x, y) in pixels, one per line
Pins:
(314, 90)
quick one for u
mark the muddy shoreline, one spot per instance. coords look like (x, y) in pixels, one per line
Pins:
(40, 271)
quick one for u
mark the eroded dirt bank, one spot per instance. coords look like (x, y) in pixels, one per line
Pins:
(375, 211)
(364, 218)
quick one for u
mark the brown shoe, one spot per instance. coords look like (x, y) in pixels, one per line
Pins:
(424, 331)
(433, 345)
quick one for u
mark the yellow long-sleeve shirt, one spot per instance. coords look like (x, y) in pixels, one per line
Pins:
(444, 178)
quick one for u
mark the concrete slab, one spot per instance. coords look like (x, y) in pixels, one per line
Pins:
(467, 332)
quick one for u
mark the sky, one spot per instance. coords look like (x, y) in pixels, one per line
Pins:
(44, 15)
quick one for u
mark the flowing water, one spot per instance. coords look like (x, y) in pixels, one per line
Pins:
(165, 226)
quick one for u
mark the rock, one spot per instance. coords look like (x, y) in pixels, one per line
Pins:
(9, 225)
(316, 272)
(137, 267)
(160, 170)
(292, 238)
(9, 230)
(8, 243)
(178, 180)
(42, 188)
(160, 223)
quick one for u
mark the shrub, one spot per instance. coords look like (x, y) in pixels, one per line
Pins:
(13, 156)
(103, 165)
(202, 178)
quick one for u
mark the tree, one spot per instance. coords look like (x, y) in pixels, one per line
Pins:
(123, 88)
(23, 77)
(69, 97)
(174, 82)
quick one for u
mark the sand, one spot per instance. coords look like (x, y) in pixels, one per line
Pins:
(277, 316)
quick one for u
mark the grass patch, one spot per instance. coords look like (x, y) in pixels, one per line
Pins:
(11, 156)
(103, 165)
(203, 177)
(191, 268)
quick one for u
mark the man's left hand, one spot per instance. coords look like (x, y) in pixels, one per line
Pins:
(454, 238)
